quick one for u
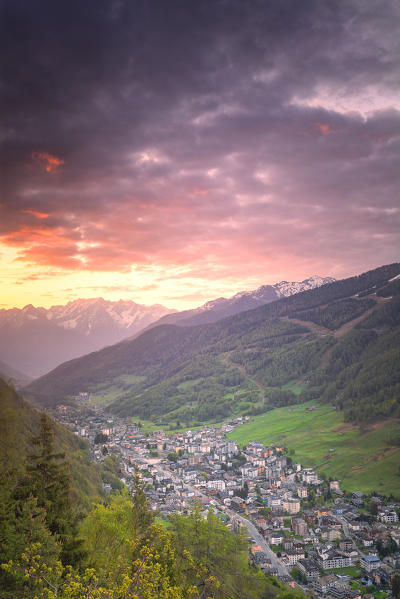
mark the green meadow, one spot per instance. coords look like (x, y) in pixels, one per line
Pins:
(362, 459)
(106, 393)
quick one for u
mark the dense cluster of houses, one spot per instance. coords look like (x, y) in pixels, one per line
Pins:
(321, 538)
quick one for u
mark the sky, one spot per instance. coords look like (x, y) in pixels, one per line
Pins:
(174, 152)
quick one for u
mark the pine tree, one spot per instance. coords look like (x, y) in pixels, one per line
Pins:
(142, 517)
(31, 548)
(47, 479)
(396, 586)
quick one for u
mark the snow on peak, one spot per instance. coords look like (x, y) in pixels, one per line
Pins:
(88, 314)
(285, 288)
(266, 293)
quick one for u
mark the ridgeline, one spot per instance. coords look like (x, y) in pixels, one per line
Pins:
(338, 343)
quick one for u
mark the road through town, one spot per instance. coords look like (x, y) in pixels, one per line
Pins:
(259, 539)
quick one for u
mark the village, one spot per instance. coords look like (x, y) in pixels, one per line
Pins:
(303, 529)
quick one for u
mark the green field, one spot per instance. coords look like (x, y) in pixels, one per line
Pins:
(352, 571)
(188, 384)
(363, 460)
(106, 393)
(293, 386)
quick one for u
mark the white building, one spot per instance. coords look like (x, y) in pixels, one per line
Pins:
(232, 447)
(334, 559)
(388, 516)
(370, 562)
(216, 485)
(309, 476)
(292, 506)
(292, 557)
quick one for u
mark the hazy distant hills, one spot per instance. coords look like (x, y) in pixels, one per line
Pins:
(339, 342)
(35, 340)
(242, 301)
(17, 378)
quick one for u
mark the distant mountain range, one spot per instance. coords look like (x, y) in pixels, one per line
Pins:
(36, 340)
(338, 343)
(240, 302)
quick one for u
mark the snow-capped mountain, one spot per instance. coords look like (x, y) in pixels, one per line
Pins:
(269, 292)
(284, 289)
(86, 315)
(36, 340)
(244, 300)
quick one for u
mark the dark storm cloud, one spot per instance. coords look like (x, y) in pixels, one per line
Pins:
(199, 133)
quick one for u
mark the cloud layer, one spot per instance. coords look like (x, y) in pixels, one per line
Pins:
(212, 139)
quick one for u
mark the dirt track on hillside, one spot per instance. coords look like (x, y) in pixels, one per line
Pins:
(245, 374)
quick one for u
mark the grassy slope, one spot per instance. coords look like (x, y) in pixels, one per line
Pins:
(106, 393)
(362, 460)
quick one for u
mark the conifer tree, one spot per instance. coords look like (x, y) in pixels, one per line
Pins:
(142, 517)
(47, 479)
(29, 547)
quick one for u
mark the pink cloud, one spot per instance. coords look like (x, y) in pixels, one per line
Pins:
(39, 215)
(47, 161)
(325, 129)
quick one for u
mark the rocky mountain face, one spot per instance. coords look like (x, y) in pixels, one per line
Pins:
(240, 302)
(35, 340)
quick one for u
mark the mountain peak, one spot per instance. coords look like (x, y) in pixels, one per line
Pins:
(285, 288)
(29, 308)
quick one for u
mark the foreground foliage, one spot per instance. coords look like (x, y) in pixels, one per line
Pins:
(49, 549)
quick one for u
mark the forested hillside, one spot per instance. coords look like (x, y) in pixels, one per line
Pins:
(363, 372)
(339, 342)
(19, 424)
